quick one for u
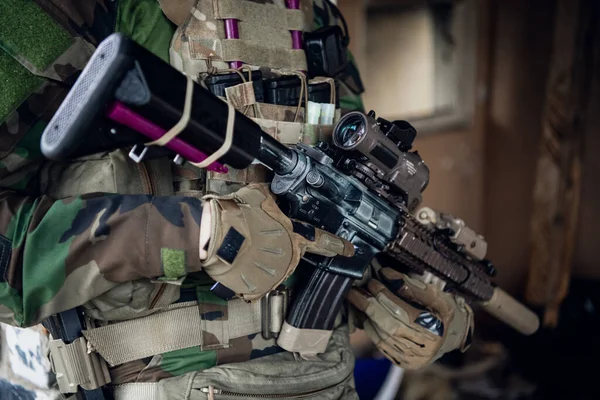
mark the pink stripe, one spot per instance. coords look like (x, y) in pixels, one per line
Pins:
(120, 113)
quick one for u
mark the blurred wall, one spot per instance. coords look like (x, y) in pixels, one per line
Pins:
(399, 72)
(520, 54)
(394, 86)
(455, 158)
(586, 257)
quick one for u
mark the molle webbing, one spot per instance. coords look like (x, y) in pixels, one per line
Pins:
(259, 14)
(265, 34)
(264, 37)
(276, 120)
(180, 326)
(254, 53)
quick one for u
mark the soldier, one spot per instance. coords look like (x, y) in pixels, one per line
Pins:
(135, 250)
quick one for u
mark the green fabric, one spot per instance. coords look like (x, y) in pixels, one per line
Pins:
(10, 298)
(26, 30)
(195, 279)
(29, 146)
(144, 22)
(16, 82)
(46, 248)
(17, 228)
(179, 362)
(173, 262)
(351, 103)
(28, 149)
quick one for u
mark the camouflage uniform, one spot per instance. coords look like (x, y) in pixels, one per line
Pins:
(63, 246)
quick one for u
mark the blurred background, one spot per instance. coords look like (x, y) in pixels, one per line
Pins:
(505, 95)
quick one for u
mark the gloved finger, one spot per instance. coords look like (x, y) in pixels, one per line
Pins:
(394, 302)
(401, 353)
(359, 298)
(416, 320)
(391, 354)
(419, 345)
(371, 307)
(318, 241)
(415, 291)
(390, 315)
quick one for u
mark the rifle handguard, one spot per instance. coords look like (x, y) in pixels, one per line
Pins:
(507, 309)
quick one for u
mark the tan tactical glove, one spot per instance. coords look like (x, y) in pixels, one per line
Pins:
(411, 322)
(254, 247)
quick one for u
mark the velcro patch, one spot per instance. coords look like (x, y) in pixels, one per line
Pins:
(5, 255)
(232, 243)
(173, 261)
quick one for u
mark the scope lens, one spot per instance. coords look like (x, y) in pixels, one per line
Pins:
(350, 132)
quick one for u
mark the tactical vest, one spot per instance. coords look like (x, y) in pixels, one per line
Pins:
(128, 318)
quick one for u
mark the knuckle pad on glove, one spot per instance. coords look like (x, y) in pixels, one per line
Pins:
(251, 252)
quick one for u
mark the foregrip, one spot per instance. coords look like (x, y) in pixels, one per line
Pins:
(507, 309)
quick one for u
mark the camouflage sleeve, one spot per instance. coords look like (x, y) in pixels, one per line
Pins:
(56, 255)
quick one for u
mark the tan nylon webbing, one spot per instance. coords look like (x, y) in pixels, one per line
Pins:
(259, 14)
(76, 363)
(252, 53)
(137, 391)
(255, 53)
(178, 327)
(243, 318)
(174, 329)
(273, 37)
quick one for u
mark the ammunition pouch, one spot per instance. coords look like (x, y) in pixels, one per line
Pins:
(264, 36)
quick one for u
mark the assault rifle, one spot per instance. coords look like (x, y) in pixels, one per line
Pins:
(364, 187)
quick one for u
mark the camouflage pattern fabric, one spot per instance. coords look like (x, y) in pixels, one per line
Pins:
(93, 249)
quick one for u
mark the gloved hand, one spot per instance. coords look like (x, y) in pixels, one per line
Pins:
(254, 247)
(412, 323)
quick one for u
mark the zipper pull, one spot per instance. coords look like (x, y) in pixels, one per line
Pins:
(214, 390)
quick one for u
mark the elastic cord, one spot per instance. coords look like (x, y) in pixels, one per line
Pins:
(226, 143)
(183, 122)
(185, 119)
(303, 93)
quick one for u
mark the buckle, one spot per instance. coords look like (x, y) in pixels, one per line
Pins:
(75, 366)
(273, 310)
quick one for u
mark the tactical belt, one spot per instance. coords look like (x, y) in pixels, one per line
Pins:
(84, 361)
